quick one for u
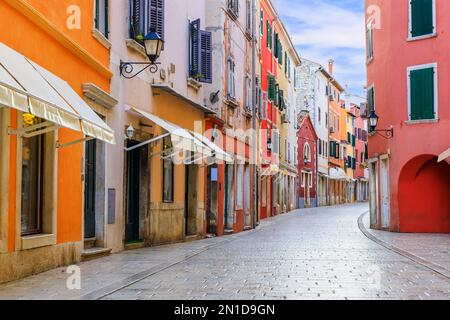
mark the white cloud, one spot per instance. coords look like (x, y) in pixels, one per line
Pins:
(329, 29)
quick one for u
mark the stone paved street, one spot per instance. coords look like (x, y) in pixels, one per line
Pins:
(308, 254)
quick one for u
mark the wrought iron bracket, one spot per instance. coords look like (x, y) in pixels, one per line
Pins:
(127, 68)
(387, 134)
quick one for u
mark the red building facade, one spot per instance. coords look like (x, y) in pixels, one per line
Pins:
(408, 47)
(307, 143)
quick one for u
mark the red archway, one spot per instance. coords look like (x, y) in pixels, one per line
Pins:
(424, 196)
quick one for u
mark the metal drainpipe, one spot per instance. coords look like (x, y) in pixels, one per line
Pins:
(254, 147)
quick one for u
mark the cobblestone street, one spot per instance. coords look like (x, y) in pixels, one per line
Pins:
(308, 254)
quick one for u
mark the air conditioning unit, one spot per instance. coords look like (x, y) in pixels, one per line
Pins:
(332, 130)
(285, 118)
(331, 97)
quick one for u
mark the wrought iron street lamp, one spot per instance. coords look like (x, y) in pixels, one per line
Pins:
(373, 122)
(153, 44)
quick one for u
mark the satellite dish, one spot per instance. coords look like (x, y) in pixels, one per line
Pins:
(214, 97)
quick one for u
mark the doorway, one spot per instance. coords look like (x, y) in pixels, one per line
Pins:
(229, 197)
(373, 186)
(211, 199)
(90, 189)
(133, 182)
(247, 195)
(385, 193)
(190, 200)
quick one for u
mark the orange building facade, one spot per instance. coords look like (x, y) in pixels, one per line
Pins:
(43, 170)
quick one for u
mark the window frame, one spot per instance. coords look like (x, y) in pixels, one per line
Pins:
(433, 65)
(370, 42)
(98, 15)
(307, 152)
(425, 36)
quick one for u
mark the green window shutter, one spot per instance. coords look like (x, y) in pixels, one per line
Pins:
(275, 44)
(422, 94)
(371, 99)
(349, 137)
(421, 17)
(353, 140)
(261, 22)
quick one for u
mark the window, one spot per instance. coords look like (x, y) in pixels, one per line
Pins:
(168, 175)
(369, 39)
(261, 22)
(249, 17)
(239, 186)
(319, 113)
(233, 8)
(146, 16)
(32, 184)
(307, 153)
(272, 88)
(371, 99)
(101, 16)
(200, 53)
(248, 95)
(422, 18)
(231, 83)
(422, 92)
(269, 35)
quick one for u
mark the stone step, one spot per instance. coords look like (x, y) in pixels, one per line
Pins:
(94, 253)
(89, 243)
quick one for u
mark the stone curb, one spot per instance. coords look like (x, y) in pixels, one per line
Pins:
(443, 272)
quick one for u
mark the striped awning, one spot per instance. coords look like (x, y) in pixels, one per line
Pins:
(27, 87)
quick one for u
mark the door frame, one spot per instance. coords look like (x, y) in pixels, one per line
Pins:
(385, 217)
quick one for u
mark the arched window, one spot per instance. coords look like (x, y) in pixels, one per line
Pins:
(307, 153)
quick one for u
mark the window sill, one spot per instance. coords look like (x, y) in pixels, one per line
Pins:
(100, 37)
(136, 46)
(37, 241)
(426, 121)
(194, 84)
(427, 36)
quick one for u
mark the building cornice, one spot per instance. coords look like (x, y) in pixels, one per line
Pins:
(46, 25)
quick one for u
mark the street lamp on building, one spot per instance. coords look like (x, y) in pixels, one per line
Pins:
(373, 123)
(153, 44)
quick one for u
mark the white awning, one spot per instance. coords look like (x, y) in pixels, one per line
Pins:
(338, 174)
(29, 88)
(444, 156)
(181, 138)
(218, 152)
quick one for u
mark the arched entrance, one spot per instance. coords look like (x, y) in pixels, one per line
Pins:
(424, 196)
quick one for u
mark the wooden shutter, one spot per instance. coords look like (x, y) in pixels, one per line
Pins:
(156, 21)
(332, 149)
(135, 18)
(195, 48)
(106, 19)
(371, 99)
(275, 45)
(421, 17)
(206, 56)
(353, 140)
(422, 94)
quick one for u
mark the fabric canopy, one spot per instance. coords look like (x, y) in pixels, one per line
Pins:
(29, 88)
(338, 174)
(181, 138)
(444, 155)
(219, 153)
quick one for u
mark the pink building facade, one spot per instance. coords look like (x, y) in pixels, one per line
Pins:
(408, 57)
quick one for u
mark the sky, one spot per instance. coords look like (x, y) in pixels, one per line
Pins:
(324, 29)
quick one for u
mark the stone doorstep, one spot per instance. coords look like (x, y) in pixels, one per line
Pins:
(89, 243)
(228, 231)
(134, 245)
(94, 253)
(192, 238)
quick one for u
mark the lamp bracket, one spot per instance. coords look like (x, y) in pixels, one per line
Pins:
(127, 68)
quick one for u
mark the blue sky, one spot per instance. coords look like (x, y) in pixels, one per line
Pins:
(324, 29)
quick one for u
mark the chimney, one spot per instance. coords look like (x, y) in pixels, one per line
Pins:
(330, 66)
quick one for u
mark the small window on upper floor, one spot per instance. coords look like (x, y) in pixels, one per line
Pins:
(146, 16)
(423, 92)
(369, 44)
(101, 22)
(422, 18)
(233, 8)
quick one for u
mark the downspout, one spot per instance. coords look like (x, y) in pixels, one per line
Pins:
(254, 147)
